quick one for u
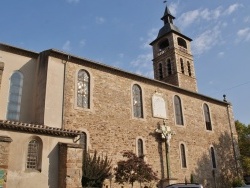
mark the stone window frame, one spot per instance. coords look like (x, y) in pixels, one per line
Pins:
(38, 165)
(182, 66)
(182, 42)
(182, 111)
(189, 69)
(143, 146)
(91, 85)
(169, 67)
(185, 155)
(160, 71)
(163, 44)
(212, 154)
(142, 101)
(12, 93)
(204, 117)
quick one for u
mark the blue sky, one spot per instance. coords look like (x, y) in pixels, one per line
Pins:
(118, 33)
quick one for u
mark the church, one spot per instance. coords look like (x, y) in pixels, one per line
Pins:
(55, 105)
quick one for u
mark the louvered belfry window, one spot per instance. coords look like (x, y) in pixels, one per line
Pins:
(83, 87)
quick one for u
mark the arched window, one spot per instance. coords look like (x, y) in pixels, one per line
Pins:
(183, 156)
(207, 117)
(163, 44)
(137, 101)
(178, 111)
(34, 154)
(15, 96)
(83, 89)
(182, 66)
(213, 157)
(169, 67)
(182, 42)
(140, 147)
(160, 72)
(189, 69)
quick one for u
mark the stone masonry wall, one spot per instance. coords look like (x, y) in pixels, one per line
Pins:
(70, 165)
(4, 159)
(111, 127)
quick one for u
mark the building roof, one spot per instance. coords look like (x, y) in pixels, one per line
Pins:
(78, 59)
(37, 129)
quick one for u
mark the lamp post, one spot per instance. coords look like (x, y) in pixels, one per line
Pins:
(166, 134)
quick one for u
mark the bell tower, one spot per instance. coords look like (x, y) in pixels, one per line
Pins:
(172, 57)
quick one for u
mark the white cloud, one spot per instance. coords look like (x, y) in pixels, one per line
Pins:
(142, 60)
(72, 1)
(121, 55)
(206, 40)
(151, 35)
(188, 18)
(244, 34)
(247, 19)
(173, 7)
(67, 46)
(221, 54)
(99, 20)
(82, 43)
(232, 8)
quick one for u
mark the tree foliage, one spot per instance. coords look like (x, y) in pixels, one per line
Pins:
(95, 170)
(244, 145)
(133, 169)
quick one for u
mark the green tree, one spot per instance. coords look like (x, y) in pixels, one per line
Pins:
(133, 169)
(244, 145)
(95, 170)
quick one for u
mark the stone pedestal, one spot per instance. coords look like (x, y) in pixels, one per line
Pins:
(165, 182)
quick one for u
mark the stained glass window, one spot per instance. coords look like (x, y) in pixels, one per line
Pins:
(207, 117)
(178, 111)
(183, 157)
(83, 87)
(140, 148)
(15, 95)
(137, 101)
(213, 158)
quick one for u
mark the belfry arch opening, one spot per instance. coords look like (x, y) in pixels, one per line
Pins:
(182, 42)
(163, 44)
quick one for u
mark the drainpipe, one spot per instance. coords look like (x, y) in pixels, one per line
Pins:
(64, 78)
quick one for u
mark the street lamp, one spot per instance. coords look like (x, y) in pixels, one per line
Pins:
(166, 134)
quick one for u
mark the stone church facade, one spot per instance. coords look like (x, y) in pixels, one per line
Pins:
(54, 105)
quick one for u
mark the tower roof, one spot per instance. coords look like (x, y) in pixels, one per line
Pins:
(167, 13)
(169, 26)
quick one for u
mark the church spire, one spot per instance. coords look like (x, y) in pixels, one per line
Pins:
(167, 17)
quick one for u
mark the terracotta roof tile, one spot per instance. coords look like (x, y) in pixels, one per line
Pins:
(38, 129)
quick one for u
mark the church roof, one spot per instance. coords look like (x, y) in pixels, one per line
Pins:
(74, 58)
(37, 129)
